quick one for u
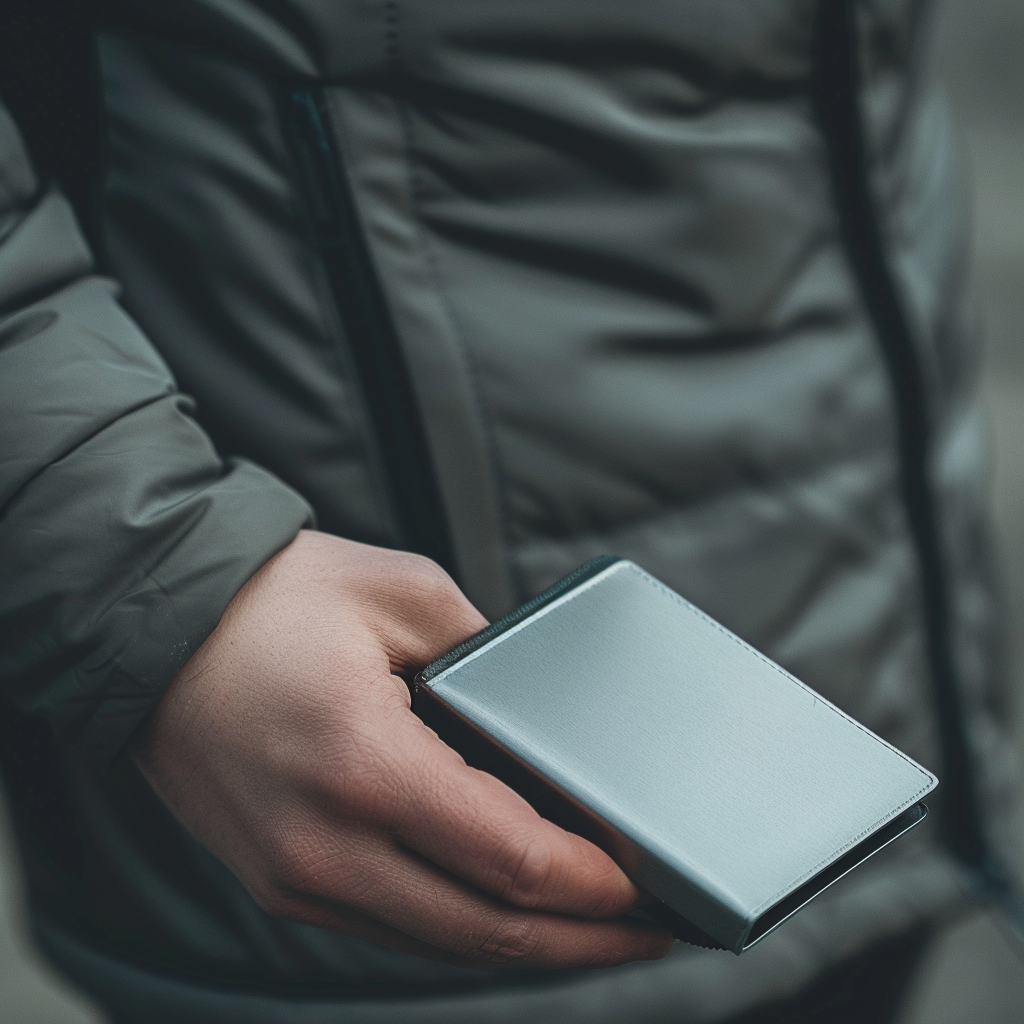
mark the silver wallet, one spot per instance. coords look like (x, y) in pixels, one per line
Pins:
(723, 786)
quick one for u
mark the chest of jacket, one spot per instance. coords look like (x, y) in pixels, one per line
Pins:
(516, 284)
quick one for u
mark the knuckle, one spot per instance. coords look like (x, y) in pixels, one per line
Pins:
(292, 873)
(612, 894)
(511, 941)
(284, 905)
(371, 793)
(528, 876)
(294, 867)
(430, 582)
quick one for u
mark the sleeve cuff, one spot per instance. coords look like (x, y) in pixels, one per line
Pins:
(119, 561)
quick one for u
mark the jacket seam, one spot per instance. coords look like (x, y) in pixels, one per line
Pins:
(730, 492)
(391, 15)
(331, 324)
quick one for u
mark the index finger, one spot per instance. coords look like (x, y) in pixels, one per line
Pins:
(474, 826)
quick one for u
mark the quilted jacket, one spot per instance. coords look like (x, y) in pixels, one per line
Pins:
(512, 283)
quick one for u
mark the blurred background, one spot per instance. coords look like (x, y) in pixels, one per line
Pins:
(972, 976)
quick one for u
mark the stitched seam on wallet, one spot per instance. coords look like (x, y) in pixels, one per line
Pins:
(679, 599)
(810, 873)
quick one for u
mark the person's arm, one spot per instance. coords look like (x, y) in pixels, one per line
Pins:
(142, 577)
(123, 534)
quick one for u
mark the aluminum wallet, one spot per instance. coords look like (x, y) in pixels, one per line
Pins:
(723, 786)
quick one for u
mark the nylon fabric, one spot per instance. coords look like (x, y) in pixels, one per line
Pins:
(609, 240)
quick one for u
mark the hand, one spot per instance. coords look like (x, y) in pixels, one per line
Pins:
(287, 746)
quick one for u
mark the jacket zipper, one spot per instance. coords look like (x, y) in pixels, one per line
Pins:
(837, 91)
(370, 334)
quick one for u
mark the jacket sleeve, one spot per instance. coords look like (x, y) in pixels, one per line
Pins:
(123, 534)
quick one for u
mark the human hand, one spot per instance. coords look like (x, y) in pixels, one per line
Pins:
(288, 748)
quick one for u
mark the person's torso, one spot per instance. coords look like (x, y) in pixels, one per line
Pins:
(517, 283)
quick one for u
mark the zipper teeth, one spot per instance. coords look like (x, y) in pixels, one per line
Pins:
(838, 109)
(370, 334)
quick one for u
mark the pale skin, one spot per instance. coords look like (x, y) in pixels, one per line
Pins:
(287, 746)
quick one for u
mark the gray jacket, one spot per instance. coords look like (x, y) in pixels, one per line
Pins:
(512, 283)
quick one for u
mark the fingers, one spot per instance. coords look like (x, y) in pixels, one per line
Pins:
(401, 901)
(323, 913)
(423, 793)
(475, 827)
(460, 863)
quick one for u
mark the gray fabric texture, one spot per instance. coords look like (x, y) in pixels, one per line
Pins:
(123, 533)
(608, 243)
